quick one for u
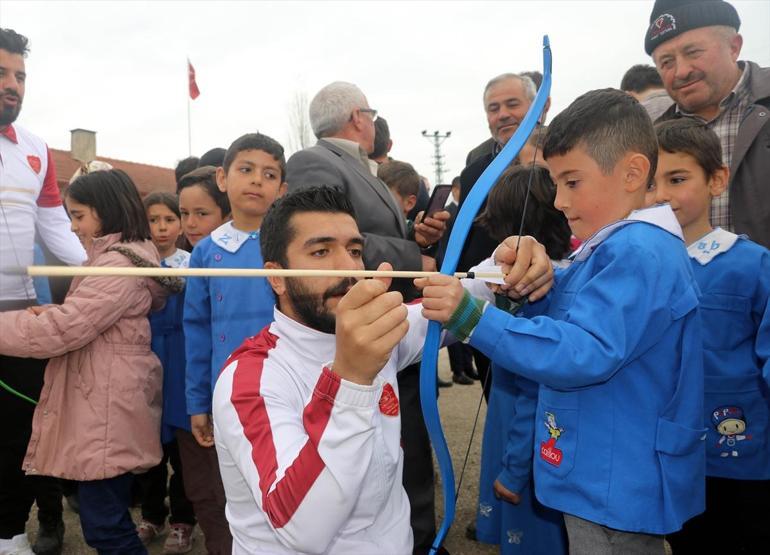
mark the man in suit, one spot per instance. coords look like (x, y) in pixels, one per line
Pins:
(343, 122)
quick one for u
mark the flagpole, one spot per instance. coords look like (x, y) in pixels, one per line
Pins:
(189, 125)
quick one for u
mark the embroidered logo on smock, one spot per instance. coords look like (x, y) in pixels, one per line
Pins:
(485, 510)
(548, 450)
(389, 401)
(515, 536)
(34, 163)
(717, 241)
(731, 425)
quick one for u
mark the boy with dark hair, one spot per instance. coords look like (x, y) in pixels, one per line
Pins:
(617, 345)
(639, 79)
(221, 312)
(382, 141)
(403, 182)
(185, 166)
(643, 82)
(733, 274)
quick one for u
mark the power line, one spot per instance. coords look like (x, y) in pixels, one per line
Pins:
(438, 159)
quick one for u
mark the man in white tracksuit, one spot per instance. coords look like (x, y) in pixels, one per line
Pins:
(306, 413)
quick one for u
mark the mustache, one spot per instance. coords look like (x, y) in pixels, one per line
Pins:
(340, 288)
(9, 92)
(690, 78)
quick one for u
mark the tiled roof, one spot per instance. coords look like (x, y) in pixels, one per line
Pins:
(148, 178)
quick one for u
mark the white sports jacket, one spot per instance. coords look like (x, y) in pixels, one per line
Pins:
(312, 463)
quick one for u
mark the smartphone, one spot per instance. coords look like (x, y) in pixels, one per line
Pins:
(438, 199)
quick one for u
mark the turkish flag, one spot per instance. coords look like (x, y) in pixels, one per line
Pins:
(194, 91)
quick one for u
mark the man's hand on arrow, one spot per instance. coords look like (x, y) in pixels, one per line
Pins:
(370, 323)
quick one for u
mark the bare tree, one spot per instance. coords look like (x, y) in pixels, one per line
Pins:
(300, 131)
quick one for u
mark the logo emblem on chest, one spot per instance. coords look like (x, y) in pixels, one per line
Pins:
(389, 401)
(34, 163)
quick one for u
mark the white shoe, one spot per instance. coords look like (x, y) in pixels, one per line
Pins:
(17, 545)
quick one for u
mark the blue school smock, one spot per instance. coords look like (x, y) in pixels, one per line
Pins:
(618, 353)
(734, 278)
(220, 312)
(506, 455)
(168, 344)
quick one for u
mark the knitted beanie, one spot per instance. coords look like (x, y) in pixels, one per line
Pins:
(670, 18)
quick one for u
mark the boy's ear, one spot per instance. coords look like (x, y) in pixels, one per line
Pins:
(409, 202)
(221, 179)
(636, 171)
(277, 283)
(718, 181)
(282, 188)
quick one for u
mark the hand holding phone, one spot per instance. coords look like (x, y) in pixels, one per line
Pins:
(437, 200)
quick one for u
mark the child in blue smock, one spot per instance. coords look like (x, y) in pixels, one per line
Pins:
(734, 278)
(168, 344)
(220, 312)
(616, 347)
(520, 524)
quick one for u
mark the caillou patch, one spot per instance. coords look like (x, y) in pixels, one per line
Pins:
(548, 450)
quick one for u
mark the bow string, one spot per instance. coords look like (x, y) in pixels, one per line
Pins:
(460, 230)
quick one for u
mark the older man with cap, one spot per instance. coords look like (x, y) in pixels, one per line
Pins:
(695, 46)
(343, 122)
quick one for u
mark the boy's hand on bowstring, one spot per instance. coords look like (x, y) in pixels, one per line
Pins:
(370, 322)
(202, 429)
(441, 295)
(501, 492)
(528, 270)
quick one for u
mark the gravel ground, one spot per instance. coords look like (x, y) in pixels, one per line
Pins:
(458, 407)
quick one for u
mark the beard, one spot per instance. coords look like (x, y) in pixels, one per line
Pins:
(8, 114)
(311, 307)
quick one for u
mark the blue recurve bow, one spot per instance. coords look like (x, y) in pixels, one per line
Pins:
(455, 245)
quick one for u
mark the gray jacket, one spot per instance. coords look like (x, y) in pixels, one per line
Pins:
(749, 187)
(379, 218)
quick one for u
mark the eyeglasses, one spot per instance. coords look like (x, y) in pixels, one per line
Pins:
(369, 111)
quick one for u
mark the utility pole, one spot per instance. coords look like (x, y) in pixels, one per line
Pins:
(438, 159)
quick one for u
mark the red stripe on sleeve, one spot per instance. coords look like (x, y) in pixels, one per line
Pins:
(49, 195)
(281, 503)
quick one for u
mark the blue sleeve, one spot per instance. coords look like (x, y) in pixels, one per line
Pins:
(626, 300)
(761, 314)
(197, 333)
(517, 458)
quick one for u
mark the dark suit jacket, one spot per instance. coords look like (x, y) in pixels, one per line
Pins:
(379, 218)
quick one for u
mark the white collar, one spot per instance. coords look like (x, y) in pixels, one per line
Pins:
(714, 243)
(179, 259)
(659, 215)
(230, 238)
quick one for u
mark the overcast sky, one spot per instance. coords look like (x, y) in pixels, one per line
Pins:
(119, 67)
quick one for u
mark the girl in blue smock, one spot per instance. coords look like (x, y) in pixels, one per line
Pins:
(506, 456)
(168, 344)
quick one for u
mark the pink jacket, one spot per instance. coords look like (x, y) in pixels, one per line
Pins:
(99, 411)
